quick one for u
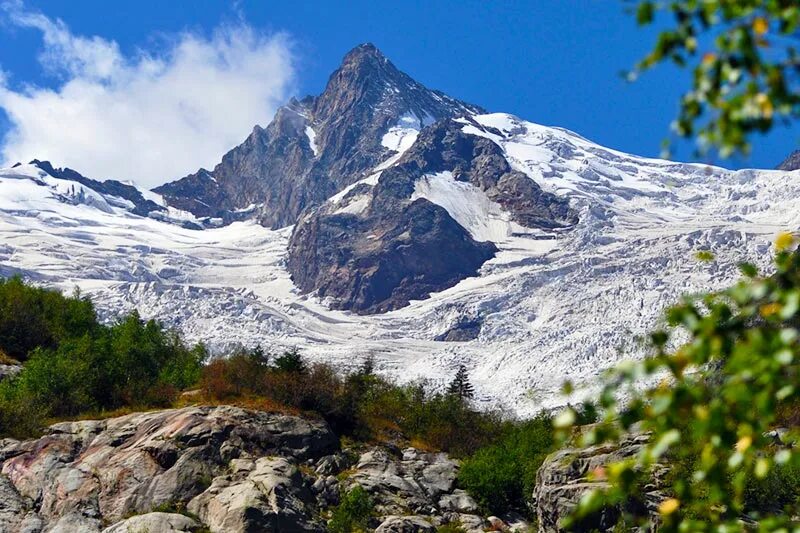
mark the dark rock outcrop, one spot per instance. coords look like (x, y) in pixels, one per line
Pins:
(380, 263)
(791, 163)
(141, 205)
(314, 147)
(375, 249)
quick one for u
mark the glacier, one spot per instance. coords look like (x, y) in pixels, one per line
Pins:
(553, 304)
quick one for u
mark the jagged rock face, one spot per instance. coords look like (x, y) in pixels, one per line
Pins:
(377, 248)
(791, 163)
(315, 147)
(141, 205)
(564, 478)
(81, 475)
(414, 252)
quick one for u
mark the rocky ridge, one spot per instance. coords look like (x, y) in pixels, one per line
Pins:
(219, 469)
(316, 146)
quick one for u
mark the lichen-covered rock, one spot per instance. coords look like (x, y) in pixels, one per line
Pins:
(405, 524)
(155, 523)
(270, 496)
(564, 477)
(80, 475)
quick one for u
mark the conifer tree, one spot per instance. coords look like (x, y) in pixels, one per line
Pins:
(460, 386)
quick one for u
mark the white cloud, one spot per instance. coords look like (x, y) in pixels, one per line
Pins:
(149, 118)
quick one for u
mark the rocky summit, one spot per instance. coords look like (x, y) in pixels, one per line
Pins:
(316, 146)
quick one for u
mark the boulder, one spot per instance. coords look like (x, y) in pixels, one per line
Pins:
(9, 371)
(271, 496)
(405, 524)
(416, 481)
(155, 522)
(459, 501)
(564, 477)
(80, 475)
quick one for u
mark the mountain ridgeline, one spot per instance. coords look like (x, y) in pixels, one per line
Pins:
(370, 116)
(316, 146)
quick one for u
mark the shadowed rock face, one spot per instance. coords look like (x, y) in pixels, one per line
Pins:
(791, 163)
(393, 250)
(380, 263)
(279, 171)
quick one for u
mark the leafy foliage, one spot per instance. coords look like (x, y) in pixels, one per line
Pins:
(75, 364)
(501, 476)
(32, 317)
(353, 513)
(719, 395)
(745, 64)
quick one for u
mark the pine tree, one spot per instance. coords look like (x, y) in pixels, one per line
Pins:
(260, 355)
(291, 361)
(460, 386)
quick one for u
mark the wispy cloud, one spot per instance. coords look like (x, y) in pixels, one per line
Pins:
(147, 117)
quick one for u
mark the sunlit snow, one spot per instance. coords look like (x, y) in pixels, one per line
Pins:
(554, 305)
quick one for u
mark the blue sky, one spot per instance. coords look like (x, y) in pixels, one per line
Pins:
(555, 62)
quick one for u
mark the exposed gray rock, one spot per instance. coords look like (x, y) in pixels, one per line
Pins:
(564, 477)
(791, 163)
(471, 523)
(270, 497)
(381, 263)
(81, 474)
(278, 169)
(333, 464)
(327, 490)
(395, 249)
(155, 523)
(416, 481)
(461, 332)
(141, 205)
(459, 501)
(405, 524)
(9, 371)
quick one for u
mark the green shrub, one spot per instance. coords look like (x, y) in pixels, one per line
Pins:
(353, 513)
(32, 317)
(501, 476)
(76, 365)
(776, 492)
(290, 361)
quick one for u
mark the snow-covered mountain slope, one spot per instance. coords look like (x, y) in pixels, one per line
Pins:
(552, 304)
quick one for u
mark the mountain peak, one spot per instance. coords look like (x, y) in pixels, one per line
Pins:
(363, 52)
